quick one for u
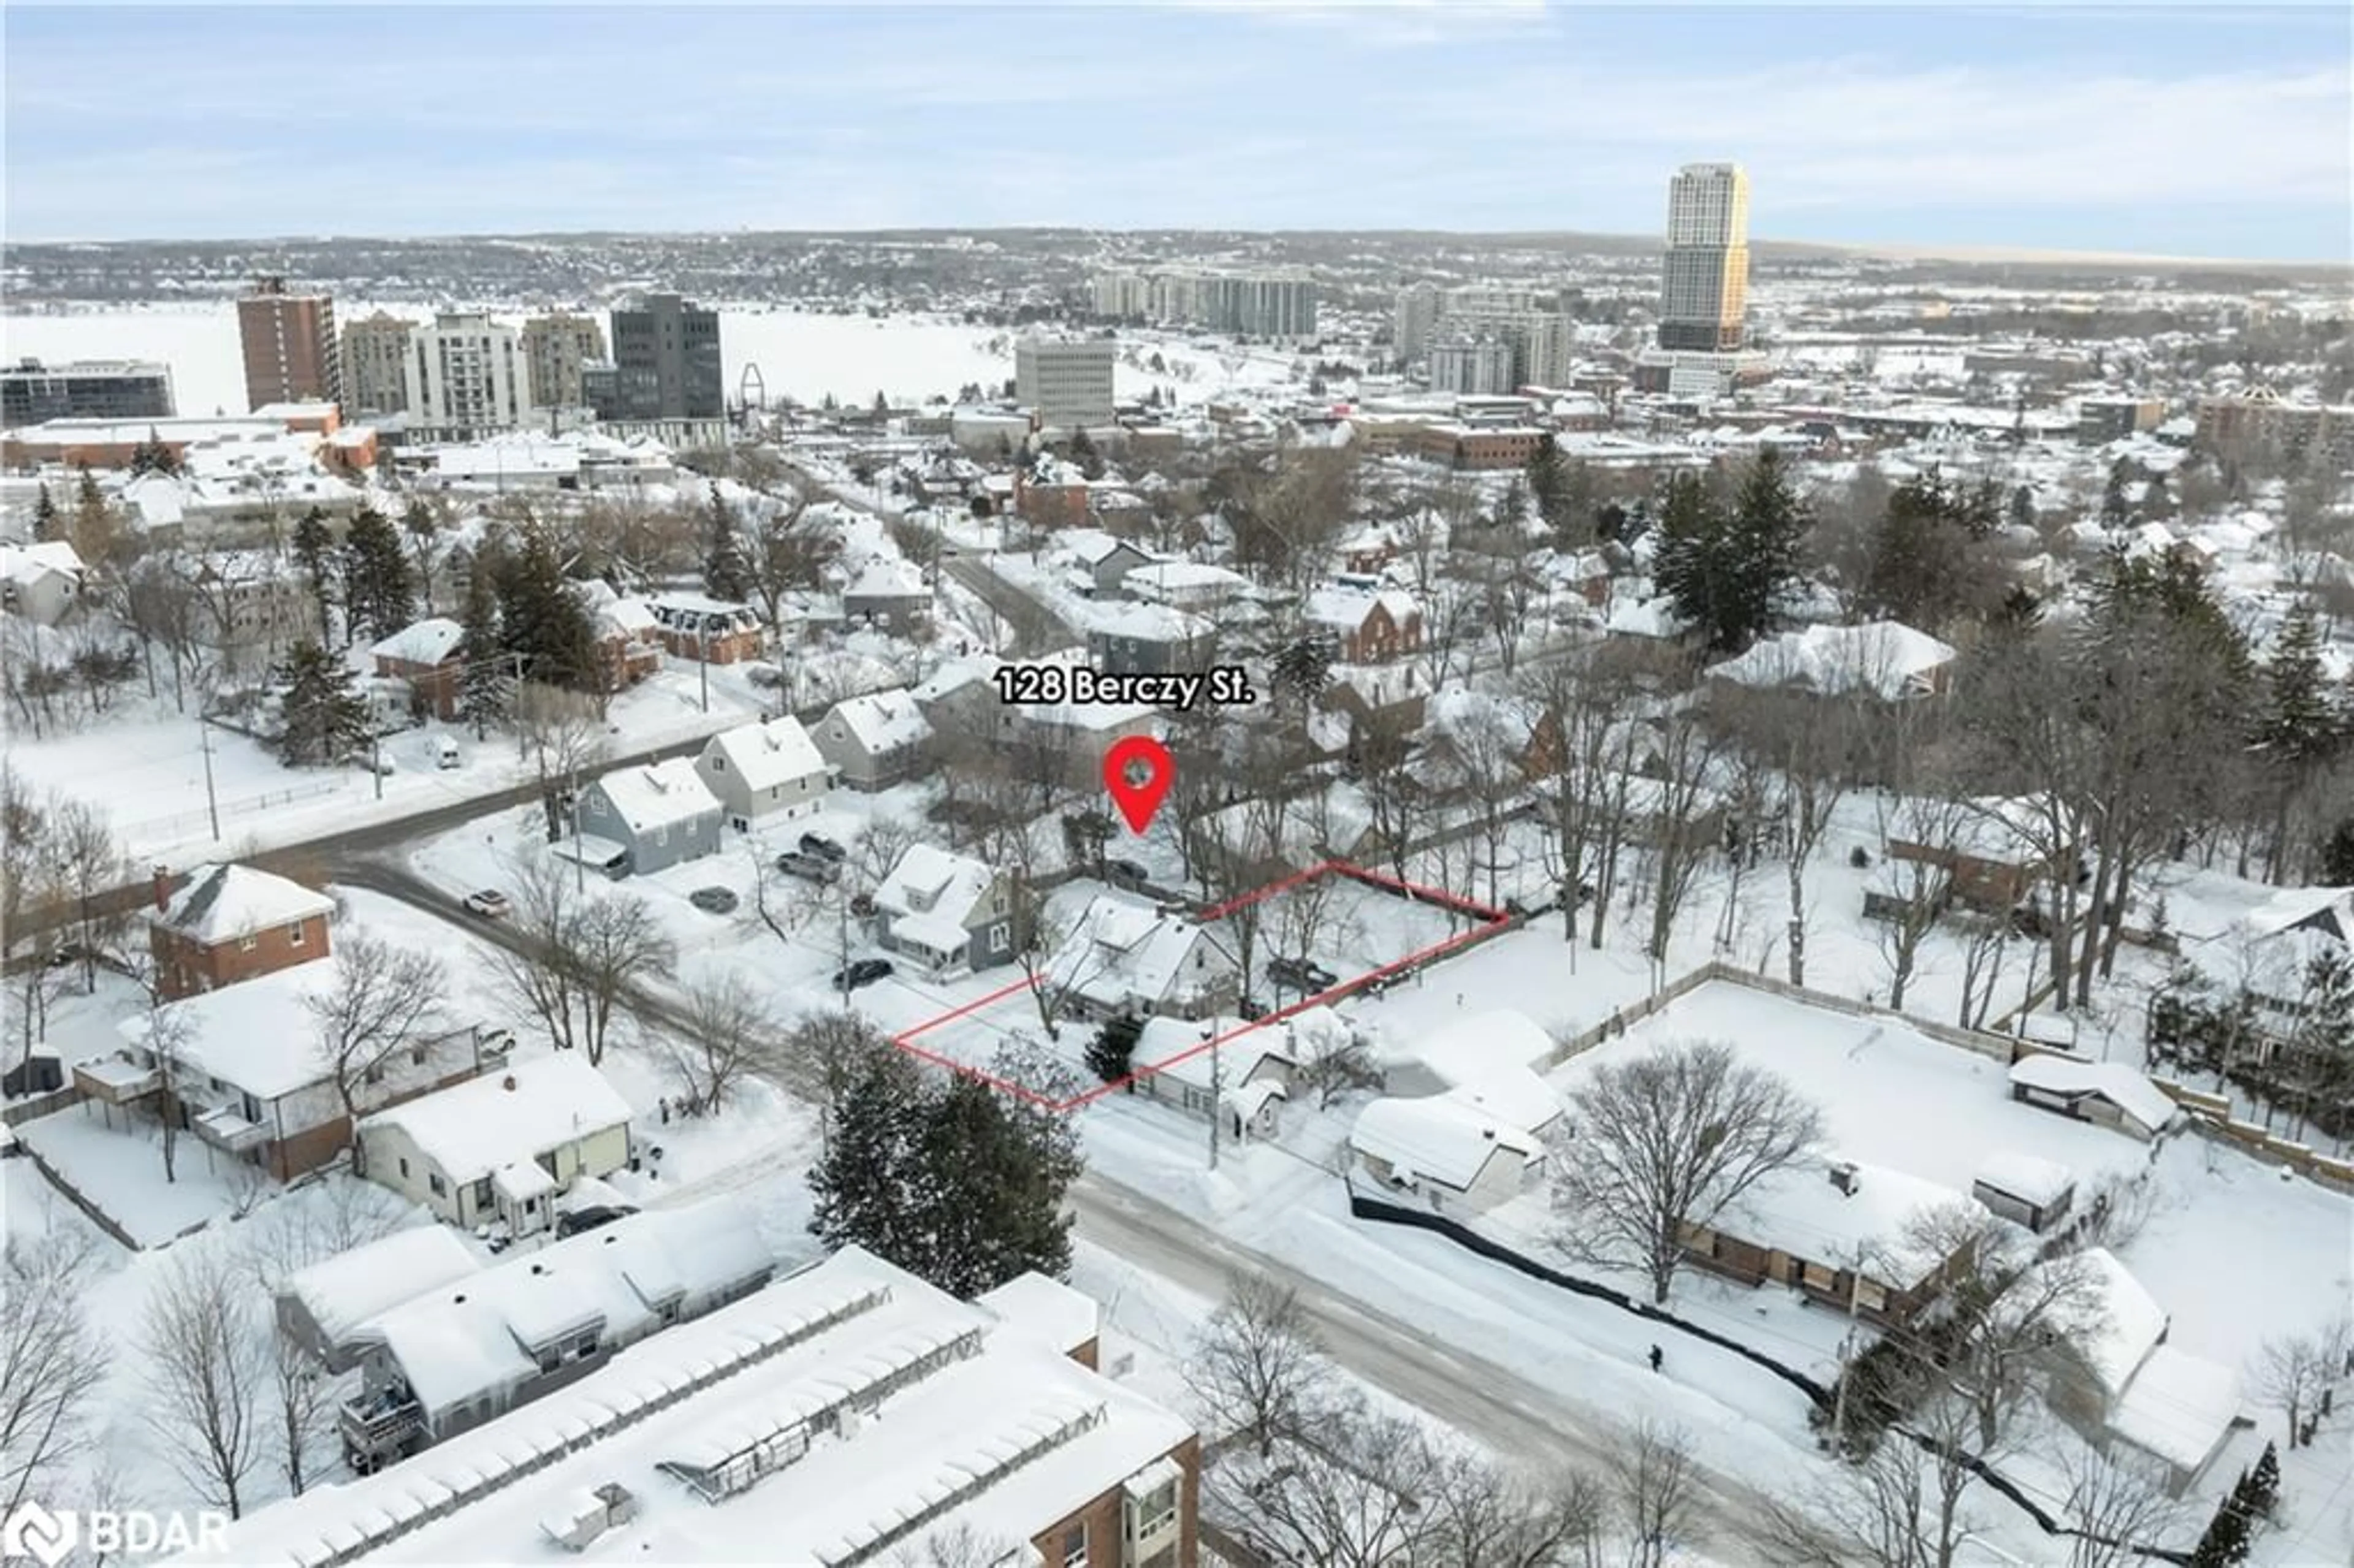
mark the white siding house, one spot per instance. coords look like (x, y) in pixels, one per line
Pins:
(764, 772)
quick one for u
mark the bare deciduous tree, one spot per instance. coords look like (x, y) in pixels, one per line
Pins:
(1654, 1488)
(826, 1048)
(1671, 1139)
(1259, 1366)
(1476, 1514)
(207, 1368)
(1350, 1494)
(52, 1360)
(564, 733)
(582, 954)
(2290, 1370)
(732, 1033)
(2119, 1509)
(384, 996)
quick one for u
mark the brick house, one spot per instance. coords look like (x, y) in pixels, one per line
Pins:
(694, 627)
(629, 638)
(231, 923)
(429, 655)
(1369, 628)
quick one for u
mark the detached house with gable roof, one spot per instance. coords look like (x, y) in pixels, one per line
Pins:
(768, 771)
(645, 818)
(874, 741)
(427, 655)
(498, 1149)
(1367, 628)
(1124, 958)
(948, 913)
(230, 923)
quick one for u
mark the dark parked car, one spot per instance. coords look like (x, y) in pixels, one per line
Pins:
(588, 1219)
(808, 867)
(1301, 975)
(712, 900)
(866, 971)
(823, 848)
(1126, 872)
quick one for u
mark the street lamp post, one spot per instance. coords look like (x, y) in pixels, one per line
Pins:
(1209, 1034)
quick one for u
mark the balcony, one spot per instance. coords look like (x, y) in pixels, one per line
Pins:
(225, 1129)
(117, 1079)
(381, 1427)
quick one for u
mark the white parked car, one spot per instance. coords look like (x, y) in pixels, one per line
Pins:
(490, 903)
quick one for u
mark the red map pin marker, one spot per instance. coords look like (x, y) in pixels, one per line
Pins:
(1138, 771)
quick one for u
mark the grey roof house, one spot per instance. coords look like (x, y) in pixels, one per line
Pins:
(1151, 640)
(767, 771)
(948, 913)
(637, 819)
(875, 741)
(889, 594)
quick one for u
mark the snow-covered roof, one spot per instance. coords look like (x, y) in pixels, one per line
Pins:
(885, 578)
(1349, 609)
(255, 1034)
(1058, 1315)
(1167, 576)
(784, 1352)
(1801, 1211)
(1654, 618)
(881, 721)
(2330, 910)
(470, 1130)
(769, 753)
(1885, 658)
(2178, 1406)
(1121, 953)
(476, 1335)
(223, 902)
(2026, 1177)
(26, 562)
(1147, 622)
(1437, 1139)
(658, 794)
(1483, 1045)
(422, 642)
(1174, 1048)
(2129, 1325)
(1090, 547)
(345, 1291)
(934, 883)
(2128, 1088)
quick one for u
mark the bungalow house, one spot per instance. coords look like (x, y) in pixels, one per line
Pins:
(454, 1355)
(1367, 628)
(1994, 856)
(629, 638)
(429, 655)
(1105, 561)
(1151, 640)
(1369, 549)
(706, 630)
(947, 914)
(648, 818)
(498, 1149)
(2136, 1390)
(1840, 1231)
(1123, 958)
(1249, 1076)
(241, 1069)
(2108, 1094)
(1184, 584)
(320, 1309)
(1450, 1154)
(1491, 1061)
(2025, 1189)
(874, 741)
(764, 772)
(41, 582)
(889, 595)
(231, 923)
(1882, 660)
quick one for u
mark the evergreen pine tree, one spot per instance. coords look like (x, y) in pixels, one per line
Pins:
(2338, 855)
(315, 552)
(1114, 1047)
(2022, 508)
(1547, 479)
(484, 686)
(2301, 725)
(1084, 454)
(325, 719)
(2116, 510)
(2226, 1541)
(2261, 1493)
(152, 456)
(861, 1183)
(46, 523)
(94, 529)
(882, 403)
(1512, 506)
(379, 595)
(419, 523)
(1303, 667)
(726, 575)
(542, 618)
(1694, 564)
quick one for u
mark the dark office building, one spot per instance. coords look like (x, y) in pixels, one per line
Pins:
(665, 364)
(31, 392)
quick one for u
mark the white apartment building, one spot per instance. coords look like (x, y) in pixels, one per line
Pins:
(1067, 382)
(466, 372)
(1471, 367)
(1412, 318)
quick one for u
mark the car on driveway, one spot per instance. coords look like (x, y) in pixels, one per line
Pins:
(588, 1219)
(823, 848)
(864, 972)
(712, 900)
(1126, 873)
(490, 903)
(808, 867)
(1300, 975)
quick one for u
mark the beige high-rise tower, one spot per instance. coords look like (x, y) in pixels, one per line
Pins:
(1704, 277)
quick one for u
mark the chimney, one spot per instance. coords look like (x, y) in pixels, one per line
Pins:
(163, 889)
(1843, 1177)
(508, 1083)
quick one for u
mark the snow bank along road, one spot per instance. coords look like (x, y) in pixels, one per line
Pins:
(1483, 1398)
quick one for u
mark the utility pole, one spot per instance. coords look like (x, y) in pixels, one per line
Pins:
(703, 665)
(1209, 1033)
(841, 933)
(376, 756)
(579, 850)
(212, 801)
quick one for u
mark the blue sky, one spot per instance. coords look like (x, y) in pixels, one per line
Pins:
(2197, 130)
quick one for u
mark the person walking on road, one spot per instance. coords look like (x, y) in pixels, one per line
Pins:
(1658, 1356)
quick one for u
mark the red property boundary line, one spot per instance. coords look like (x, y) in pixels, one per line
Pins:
(1489, 919)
